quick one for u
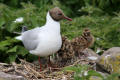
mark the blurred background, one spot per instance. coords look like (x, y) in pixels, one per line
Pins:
(102, 17)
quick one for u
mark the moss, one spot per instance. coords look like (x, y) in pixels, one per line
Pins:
(111, 63)
(95, 78)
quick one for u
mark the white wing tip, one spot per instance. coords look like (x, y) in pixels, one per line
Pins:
(18, 37)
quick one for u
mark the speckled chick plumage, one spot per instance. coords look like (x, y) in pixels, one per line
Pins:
(82, 42)
(66, 51)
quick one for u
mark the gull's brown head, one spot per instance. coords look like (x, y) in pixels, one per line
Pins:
(57, 14)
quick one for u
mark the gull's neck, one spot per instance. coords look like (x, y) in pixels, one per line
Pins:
(52, 24)
(50, 19)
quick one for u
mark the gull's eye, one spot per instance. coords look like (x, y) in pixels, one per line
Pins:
(59, 14)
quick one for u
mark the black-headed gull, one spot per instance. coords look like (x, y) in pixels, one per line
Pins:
(45, 40)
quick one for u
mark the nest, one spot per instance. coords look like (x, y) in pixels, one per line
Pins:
(32, 71)
(66, 56)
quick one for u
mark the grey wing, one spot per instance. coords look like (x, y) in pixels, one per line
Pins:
(30, 38)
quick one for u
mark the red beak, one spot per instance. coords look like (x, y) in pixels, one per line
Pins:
(67, 18)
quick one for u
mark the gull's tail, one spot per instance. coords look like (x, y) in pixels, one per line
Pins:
(24, 28)
(19, 38)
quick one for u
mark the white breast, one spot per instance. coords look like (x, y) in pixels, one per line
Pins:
(48, 45)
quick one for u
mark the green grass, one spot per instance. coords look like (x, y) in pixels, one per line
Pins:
(83, 72)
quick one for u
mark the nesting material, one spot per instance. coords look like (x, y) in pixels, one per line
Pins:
(31, 71)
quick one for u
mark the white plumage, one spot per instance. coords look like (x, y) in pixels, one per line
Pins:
(43, 41)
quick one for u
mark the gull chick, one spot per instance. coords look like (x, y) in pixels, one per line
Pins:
(82, 42)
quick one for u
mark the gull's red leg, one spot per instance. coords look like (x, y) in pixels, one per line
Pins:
(40, 63)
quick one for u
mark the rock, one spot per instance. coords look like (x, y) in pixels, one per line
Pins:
(110, 60)
(112, 50)
(95, 78)
(5, 76)
(91, 55)
(103, 74)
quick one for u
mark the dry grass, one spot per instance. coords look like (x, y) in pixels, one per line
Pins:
(32, 71)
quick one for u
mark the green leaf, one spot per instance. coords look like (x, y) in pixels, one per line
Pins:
(4, 43)
(12, 26)
(2, 22)
(22, 51)
(14, 49)
(94, 73)
(73, 68)
(77, 68)
(12, 58)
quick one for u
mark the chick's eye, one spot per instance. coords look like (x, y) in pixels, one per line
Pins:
(59, 14)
